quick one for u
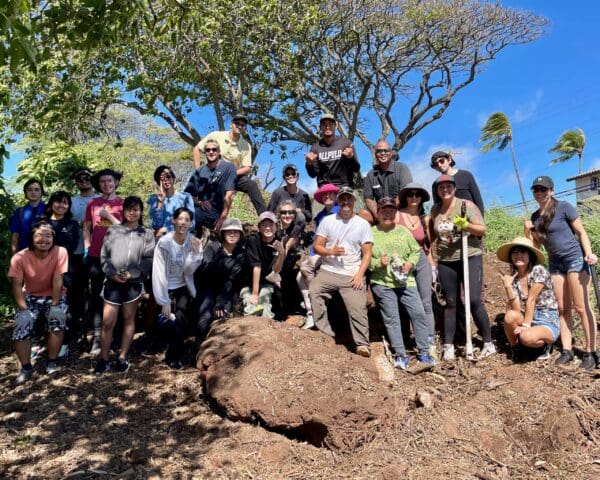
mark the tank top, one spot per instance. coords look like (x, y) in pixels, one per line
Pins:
(418, 233)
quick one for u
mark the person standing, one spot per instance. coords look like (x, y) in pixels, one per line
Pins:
(212, 187)
(445, 226)
(101, 213)
(332, 158)
(238, 151)
(344, 242)
(385, 179)
(37, 285)
(291, 191)
(24, 217)
(162, 205)
(557, 226)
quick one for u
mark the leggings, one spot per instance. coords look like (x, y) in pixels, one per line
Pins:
(180, 305)
(451, 278)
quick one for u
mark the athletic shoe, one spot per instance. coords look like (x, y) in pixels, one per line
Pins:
(64, 351)
(102, 367)
(401, 362)
(121, 366)
(488, 350)
(545, 355)
(588, 362)
(24, 375)
(565, 357)
(52, 367)
(363, 351)
(448, 354)
(95, 347)
(175, 364)
(427, 359)
(309, 322)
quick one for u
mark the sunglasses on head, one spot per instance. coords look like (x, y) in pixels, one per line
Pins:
(539, 188)
(206, 150)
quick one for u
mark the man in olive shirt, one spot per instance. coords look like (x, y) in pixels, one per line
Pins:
(235, 149)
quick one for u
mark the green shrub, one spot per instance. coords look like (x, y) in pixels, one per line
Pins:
(501, 227)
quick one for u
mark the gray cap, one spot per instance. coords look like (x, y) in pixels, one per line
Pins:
(232, 224)
(266, 215)
(327, 116)
(240, 116)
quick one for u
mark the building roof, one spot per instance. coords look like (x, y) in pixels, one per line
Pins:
(584, 174)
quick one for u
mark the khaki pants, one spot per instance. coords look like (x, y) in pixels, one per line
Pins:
(321, 288)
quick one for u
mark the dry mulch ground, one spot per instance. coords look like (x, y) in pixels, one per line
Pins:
(490, 420)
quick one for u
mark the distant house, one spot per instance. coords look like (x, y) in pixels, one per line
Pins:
(587, 185)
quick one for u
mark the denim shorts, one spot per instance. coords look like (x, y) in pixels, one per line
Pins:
(563, 267)
(117, 293)
(547, 318)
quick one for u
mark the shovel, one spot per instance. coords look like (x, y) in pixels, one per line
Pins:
(465, 259)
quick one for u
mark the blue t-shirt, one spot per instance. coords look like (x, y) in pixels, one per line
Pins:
(561, 242)
(163, 217)
(207, 184)
(23, 219)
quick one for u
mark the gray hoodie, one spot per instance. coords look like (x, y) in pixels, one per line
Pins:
(127, 249)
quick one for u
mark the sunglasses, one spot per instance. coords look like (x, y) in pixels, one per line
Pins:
(439, 161)
(519, 250)
(382, 150)
(83, 178)
(539, 189)
(414, 193)
(206, 150)
(166, 177)
(290, 174)
(287, 212)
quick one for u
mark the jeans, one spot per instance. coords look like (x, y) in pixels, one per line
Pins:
(248, 186)
(424, 280)
(388, 300)
(451, 278)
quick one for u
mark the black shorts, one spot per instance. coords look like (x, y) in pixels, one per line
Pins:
(117, 293)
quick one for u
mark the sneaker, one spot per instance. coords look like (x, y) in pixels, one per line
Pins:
(363, 351)
(64, 351)
(565, 357)
(426, 358)
(309, 322)
(174, 364)
(448, 355)
(488, 350)
(102, 367)
(95, 347)
(545, 355)
(588, 362)
(121, 366)
(52, 367)
(24, 375)
(401, 362)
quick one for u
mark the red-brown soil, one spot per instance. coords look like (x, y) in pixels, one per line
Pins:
(489, 420)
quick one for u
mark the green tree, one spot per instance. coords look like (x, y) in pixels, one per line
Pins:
(497, 132)
(570, 143)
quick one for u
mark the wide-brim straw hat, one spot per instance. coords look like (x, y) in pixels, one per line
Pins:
(503, 253)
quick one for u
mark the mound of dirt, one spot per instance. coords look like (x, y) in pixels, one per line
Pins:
(295, 382)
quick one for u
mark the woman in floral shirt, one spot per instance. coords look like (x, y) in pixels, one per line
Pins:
(531, 319)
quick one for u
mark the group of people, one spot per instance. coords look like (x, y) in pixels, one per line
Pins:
(86, 261)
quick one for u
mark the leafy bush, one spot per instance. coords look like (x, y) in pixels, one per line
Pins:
(502, 227)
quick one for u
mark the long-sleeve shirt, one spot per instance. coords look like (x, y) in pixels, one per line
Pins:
(163, 217)
(129, 249)
(300, 198)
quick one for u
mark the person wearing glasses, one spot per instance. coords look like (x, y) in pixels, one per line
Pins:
(557, 226)
(238, 151)
(385, 179)
(162, 205)
(290, 191)
(466, 186)
(212, 187)
(79, 291)
(332, 158)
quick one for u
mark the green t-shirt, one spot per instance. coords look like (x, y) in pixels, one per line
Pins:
(449, 242)
(400, 242)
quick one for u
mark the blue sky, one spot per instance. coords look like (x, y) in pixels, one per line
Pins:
(545, 88)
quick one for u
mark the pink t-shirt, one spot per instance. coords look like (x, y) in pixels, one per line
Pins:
(99, 224)
(37, 273)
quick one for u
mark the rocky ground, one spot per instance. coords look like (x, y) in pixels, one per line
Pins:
(274, 401)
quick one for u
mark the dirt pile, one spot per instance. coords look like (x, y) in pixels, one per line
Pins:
(296, 382)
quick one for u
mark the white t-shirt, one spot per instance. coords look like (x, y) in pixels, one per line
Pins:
(350, 234)
(175, 278)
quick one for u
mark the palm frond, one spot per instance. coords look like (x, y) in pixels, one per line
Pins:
(570, 143)
(496, 132)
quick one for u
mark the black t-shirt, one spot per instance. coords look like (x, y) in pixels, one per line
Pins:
(259, 254)
(466, 188)
(331, 166)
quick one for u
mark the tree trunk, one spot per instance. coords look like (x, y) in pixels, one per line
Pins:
(512, 150)
(580, 155)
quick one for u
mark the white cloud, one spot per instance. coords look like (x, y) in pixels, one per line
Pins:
(595, 163)
(528, 110)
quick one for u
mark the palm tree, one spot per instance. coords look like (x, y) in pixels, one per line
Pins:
(571, 142)
(497, 132)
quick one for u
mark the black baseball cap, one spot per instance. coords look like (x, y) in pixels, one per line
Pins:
(543, 181)
(289, 166)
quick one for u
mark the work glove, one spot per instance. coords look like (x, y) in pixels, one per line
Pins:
(461, 222)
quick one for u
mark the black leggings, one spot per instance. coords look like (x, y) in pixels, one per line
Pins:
(451, 278)
(181, 302)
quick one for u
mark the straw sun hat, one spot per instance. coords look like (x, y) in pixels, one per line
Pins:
(503, 253)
